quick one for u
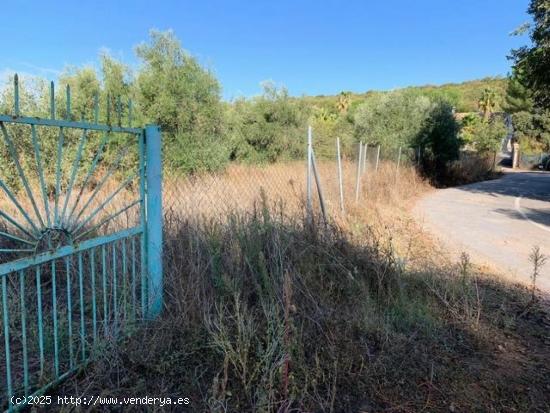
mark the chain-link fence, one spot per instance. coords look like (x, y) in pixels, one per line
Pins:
(339, 182)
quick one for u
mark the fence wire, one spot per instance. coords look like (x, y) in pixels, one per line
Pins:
(242, 188)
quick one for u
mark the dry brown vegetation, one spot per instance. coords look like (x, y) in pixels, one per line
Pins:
(266, 311)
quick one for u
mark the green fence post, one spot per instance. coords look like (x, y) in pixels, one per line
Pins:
(153, 161)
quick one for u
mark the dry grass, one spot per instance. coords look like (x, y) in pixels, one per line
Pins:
(267, 312)
(240, 187)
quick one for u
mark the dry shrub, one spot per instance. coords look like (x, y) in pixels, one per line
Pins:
(469, 169)
(266, 312)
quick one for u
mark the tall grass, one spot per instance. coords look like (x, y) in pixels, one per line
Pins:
(268, 311)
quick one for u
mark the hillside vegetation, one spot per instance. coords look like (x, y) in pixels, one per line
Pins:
(201, 132)
(464, 96)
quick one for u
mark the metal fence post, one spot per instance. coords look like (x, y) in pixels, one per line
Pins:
(309, 204)
(358, 179)
(377, 158)
(340, 183)
(153, 159)
(319, 188)
(399, 158)
(365, 164)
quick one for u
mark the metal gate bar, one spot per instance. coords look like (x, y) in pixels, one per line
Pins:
(61, 301)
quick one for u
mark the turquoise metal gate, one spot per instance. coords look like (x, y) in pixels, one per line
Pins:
(80, 239)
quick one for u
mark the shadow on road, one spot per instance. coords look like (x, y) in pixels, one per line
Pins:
(535, 215)
(528, 185)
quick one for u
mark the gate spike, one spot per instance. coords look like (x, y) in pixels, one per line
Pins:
(52, 100)
(68, 102)
(129, 113)
(109, 109)
(16, 93)
(96, 108)
(119, 111)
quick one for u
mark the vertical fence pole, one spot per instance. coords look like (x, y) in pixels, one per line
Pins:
(366, 147)
(377, 158)
(340, 180)
(319, 188)
(398, 162)
(358, 178)
(309, 204)
(153, 159)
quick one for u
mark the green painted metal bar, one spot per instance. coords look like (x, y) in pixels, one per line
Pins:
(91, 170)
(68, 101)
(134, 295)
(68, 124)
(105, 203)
(69, 311)
(18, 225)
(92, 274)
(82, 322)
(54, 314)
(108, 109)
(96, 108)
(154, 220)
(24, 331)
(106, 220)
(143, 219)
(109, 173)
(51, 385)
(58, 176)
(16, 94)
(8, 250)
(14, 238)
(40, 169)
(52, 102)
(119, 111)
(64, 251)
(6, 336)
(15, 159)
(104, 284)
(21, 210)
(124, 277)
(40, 320)
(130, 107)
(115, 307)
(73, 175)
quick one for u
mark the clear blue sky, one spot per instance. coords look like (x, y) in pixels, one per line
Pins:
(312, 47)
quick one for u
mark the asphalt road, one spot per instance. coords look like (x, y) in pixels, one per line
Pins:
(497, 222)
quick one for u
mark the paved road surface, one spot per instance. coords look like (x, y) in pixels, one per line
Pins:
(497, 222)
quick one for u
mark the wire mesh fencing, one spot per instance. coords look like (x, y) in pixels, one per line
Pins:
(243, 188)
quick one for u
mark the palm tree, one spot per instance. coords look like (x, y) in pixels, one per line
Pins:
(487, 103)
(344, 102)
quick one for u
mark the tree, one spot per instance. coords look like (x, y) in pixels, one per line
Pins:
(392, 119)
(184, 99)
(411, 120)
(487, 103)
(269, 127)
(533, 129)
(485, 136)
(84, 84)
(534, 60)
(518, 96)
(439, 136)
